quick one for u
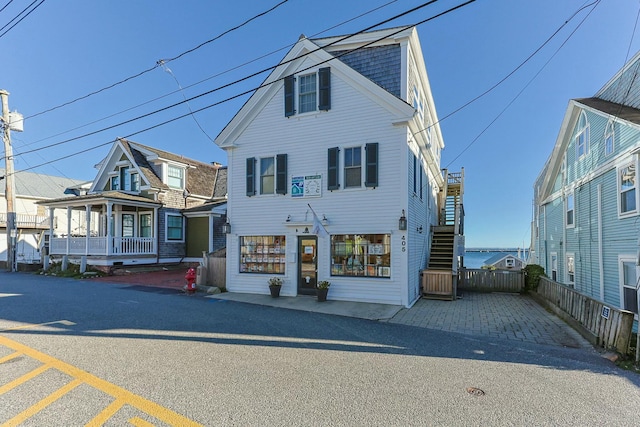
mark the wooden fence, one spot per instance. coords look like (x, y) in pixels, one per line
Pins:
(483, 280)
(599, 323)
(438, 284)
(216, 270)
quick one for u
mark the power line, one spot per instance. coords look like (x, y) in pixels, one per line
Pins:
(265, 84)
(20, 20)
(465, 105)
(213, 76)
(5, 6)
(338, 40)
(157, 64)
(526, 85)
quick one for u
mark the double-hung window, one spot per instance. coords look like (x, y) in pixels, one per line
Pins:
(608, 139)
(627, 188)
(115, 182)
(352, 167)
(175, 227)
(306, 93)
(272, 174)
(267, 175)
(571, 269)
(570, 211)
(175, 177)
(628, 279)
(582, 137)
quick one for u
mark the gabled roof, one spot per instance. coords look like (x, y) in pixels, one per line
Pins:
(499, 257)
(606, 108)
(40, 186)
(307, 51)
(200, 177)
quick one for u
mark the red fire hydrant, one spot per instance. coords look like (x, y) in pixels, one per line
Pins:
(190, 277)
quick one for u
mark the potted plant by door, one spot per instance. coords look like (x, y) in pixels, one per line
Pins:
(275, 283)
(321, 290)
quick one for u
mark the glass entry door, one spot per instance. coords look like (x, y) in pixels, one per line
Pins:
(307, 264)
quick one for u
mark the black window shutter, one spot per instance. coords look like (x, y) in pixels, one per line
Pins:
(251, 176)
(281, 174)
(332, 169)
(371, 171)
(324, 85)
(289, 105)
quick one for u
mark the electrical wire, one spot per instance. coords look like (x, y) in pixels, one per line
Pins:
(596, 3)
(465, 105)
(157, 64)
(256, 88)
(213, 76)
(338, 40)
(20, 20)
(5, 6)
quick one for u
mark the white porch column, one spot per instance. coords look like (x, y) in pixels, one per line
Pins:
(109, 230)
(88, 228)
(69, 212)
(155, 230)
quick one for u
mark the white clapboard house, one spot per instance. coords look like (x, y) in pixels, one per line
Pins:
(334, 171)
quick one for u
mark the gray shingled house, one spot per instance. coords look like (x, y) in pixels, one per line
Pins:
(145, 206)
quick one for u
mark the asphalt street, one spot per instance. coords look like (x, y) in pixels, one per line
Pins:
(219, 362)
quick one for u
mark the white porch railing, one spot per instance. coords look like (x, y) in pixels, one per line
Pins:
(98, 246)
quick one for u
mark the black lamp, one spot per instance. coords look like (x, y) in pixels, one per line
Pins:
(226, 227)
(402, 222)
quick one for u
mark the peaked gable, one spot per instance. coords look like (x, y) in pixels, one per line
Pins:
(306, 55)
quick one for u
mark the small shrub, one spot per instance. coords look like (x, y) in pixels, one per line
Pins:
(532, 274)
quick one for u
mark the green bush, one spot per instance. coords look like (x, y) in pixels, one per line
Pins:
(532, 274)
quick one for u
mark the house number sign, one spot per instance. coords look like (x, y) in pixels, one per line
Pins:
(404, 243)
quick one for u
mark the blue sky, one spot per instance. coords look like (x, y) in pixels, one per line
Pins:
(66, 49)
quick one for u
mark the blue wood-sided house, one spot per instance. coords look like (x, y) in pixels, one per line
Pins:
(586, 225)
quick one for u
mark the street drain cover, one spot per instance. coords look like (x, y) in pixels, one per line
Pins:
(475, 391)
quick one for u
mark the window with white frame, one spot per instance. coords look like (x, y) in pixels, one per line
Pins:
(570, 210)
(267, 175)
(367, 255)
(135, 181)
(571, 269)
(627, 188)
(307, 93)
(352, 167)
(628, 282)
(115, 183)
(175, 177)
(608, 139)
(174, 228)
(554, 266)
(145, 225)
(582, 136)
(510, 262)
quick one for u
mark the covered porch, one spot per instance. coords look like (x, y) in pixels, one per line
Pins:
(106, 228)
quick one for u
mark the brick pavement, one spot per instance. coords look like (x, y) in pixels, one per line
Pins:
(507, 316)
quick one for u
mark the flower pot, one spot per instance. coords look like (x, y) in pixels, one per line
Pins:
(322, 294)
(275, 291)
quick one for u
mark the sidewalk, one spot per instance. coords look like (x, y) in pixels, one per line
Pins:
(505, 316)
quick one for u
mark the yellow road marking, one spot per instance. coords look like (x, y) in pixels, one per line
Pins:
(164, 414)
(139, 422)
(23, 379)
(31, 411)
(106, 413)
(35, 325)
(9, 357)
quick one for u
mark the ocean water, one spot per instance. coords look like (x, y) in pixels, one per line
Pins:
(477, 259)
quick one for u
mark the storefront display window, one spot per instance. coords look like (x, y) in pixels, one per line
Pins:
(367, 255)
(262, 254)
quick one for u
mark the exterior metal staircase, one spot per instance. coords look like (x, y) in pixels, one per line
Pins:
(439, 280)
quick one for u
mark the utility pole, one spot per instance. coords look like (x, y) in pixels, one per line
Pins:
(9, 182)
